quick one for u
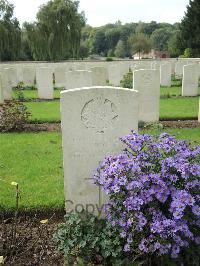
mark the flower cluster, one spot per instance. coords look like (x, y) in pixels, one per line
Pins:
(153, 186)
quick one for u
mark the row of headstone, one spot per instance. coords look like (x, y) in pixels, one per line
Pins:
(88, 76)
(180, 65)
(190, 77)
(43, 79)
(147, 82)
(64, 77)
(26, 73)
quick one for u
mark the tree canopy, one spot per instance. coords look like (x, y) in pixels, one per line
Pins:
(120, 49)
(56, 34)
(60, 33)
(190, 29)
(140, 43)
(10, 33)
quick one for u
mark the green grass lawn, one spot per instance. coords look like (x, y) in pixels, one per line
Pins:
(174, 91)
(170, 91)
(179, 108)
(44, 111)
(32, 94)
(170, 108)
(176, 82)
(34, 160)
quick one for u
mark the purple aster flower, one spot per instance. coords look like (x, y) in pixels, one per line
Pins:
(127, 248)
(154, 192)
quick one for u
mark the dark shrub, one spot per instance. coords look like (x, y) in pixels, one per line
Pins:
(13, 116)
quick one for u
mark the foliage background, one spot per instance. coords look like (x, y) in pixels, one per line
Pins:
(60, 32)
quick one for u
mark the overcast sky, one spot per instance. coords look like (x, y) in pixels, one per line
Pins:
(100, 12)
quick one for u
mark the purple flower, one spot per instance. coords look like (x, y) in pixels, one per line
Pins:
(123, 234)
(175, 251)
(196, 210)
(154, 192)
(142, 246)
(127, 248)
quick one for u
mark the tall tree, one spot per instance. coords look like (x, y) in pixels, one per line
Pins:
(140, 43)
(112, 37)
(84, 50)
(120, 49)
(160, 38)
(99, 42)
(190, 28)
(10, 33)
(172, 44)
(57, 33)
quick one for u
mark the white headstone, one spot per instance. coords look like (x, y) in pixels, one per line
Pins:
(80, 66)
(92, 119)
(13, 75)
(165, 75)
(116, 72)
(44, 81)
(190, 80)
(59, 74)
(99, 76)
(115, 75)
(135, 67)
(173, 67)
(155, 65)
(78, 79)
(7, 83)
(29, 76)
(19, 68)
(124, 68)
(147, 83)
(179, 68)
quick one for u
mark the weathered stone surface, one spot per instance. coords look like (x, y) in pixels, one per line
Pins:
(115, 75)
(13, 75)
(59, 74)
(7, 83)
(99, 76)
(147, 83)
(190, 80)
(92, 121)
(179, 68)
(44, 81)
(19, 69)
(29, 76)
(78, 79)
(165, 75)
(155, 65)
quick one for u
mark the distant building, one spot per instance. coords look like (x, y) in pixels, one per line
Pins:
(152, 55)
